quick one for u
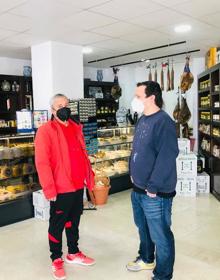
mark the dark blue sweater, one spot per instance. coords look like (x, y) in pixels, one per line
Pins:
(154, 152)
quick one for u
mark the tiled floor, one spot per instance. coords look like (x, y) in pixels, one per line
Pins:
(110, 236)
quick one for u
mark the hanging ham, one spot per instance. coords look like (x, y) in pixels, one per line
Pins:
(176, 111)
(186, 78)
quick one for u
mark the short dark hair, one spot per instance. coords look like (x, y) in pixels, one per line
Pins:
(153, 88)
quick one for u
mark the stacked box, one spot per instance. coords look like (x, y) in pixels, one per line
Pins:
(186, 186)
(186, 174)
(41, 206)
(203, 183)
(184, 146)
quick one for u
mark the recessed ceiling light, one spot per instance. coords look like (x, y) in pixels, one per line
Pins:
(148, 60)
(87, 50)
(182, 28)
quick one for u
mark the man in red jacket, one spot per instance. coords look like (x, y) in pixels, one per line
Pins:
(64, 169)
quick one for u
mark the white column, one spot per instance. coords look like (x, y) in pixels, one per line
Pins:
(56, 68)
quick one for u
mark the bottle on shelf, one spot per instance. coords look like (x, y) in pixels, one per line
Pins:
(135, 117)
(129, 118)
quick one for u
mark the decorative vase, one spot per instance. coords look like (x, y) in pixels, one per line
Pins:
(27, 71)
(6, 86)
(99, 75)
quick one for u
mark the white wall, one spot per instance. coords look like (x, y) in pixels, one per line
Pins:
(129, 76)
(42, 76)
(11, 66)
(67, 65)
(57, 68)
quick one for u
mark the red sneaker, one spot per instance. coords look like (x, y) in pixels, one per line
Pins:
(79, 258)
(58, 270)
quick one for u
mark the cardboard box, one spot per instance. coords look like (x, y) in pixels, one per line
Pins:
(186, 165)
(42, 213)
(203, 183)
(186, 186)
(184, 146)
(39, 200)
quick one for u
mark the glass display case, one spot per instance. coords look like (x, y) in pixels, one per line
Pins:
(112, 159)
(18, 177)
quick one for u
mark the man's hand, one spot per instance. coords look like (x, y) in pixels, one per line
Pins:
(53, 199)
(152, 195)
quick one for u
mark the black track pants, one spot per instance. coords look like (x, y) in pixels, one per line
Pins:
(65, 212)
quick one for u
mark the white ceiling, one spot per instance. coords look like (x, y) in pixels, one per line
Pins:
(110, 27)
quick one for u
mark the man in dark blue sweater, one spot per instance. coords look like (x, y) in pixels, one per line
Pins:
(153, 173)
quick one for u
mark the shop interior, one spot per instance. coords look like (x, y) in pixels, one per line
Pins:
(95, 52)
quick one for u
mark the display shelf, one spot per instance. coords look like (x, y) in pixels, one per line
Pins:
(216, 122)
(115, 164)
(205, 153)
(205, 108)
(115, 144)
(215, 137)
(20, 176)
(212, 163)
(110, 159)
(205, 121)
(16, 210)
(17, 99)
(16, 191)
(119, 175)
(206, 90)
(205, 134)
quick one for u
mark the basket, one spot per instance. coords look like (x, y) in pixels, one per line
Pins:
(99, 194)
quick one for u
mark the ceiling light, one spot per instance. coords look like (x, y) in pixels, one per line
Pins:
(183, 28)
(87, 50)
(147, 61)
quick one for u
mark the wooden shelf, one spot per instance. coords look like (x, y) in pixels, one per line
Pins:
(215, 93)
(216, 137)
(204, 90)
(205, 121)
(205, 134)
(204, 108)
(9, 92)
(205, 153)
(212, 162)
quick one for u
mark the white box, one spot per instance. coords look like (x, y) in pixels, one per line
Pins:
(186, 186)
(186, 165)
(184, 146)
(39, 200)
(42, 213)
(203, 183)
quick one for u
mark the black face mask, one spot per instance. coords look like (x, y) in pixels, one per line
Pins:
(64, 114)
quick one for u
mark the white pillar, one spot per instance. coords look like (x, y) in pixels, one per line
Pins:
(56, 68)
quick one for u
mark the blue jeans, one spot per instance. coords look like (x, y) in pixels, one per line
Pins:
(152, 216)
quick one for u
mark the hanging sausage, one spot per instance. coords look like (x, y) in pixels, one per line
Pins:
(162, 78)
(150, 75)
(168, 78)
(172, 77)
(155, 73)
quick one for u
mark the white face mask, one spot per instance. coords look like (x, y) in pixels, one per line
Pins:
(137, 105)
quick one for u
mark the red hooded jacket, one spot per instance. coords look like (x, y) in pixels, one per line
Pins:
(53, 161)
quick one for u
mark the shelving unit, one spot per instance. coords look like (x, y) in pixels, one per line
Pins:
(208, 138)
(107, 106)
(113, 157)
(18, 178)
(14, 100)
